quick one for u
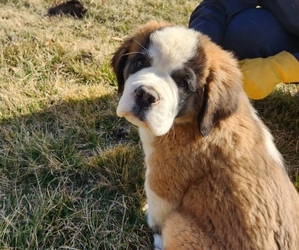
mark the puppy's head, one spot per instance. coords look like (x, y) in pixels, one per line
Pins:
(170, 74)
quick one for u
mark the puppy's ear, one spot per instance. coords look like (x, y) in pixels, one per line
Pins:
(118, 63)
(222, 91)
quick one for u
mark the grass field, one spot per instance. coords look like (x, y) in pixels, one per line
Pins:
(71, 172)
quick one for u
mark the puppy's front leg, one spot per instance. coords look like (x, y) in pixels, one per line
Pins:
(158, 209)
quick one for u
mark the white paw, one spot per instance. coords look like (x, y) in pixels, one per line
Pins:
(158, 242)
(155, 228)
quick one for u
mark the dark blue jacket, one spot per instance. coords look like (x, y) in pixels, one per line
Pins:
(213, 17)
(216, 14)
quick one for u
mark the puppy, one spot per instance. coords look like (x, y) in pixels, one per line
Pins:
(214, 178)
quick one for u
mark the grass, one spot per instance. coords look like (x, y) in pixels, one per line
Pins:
(71, 172)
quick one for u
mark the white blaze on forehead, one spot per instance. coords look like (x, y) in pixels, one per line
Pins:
(171, 47)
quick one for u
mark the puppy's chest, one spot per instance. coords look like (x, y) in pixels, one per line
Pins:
(170, 167)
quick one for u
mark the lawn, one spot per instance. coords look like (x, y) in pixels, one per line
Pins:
(71, 171)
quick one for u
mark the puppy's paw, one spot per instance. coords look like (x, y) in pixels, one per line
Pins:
(155, 228)
(158, 242)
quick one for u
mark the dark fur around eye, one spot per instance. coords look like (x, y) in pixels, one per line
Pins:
(185, 79)
(138, 62)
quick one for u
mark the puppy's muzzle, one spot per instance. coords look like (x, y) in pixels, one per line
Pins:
(145, 96)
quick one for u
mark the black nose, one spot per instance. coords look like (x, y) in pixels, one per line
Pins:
(145, 96)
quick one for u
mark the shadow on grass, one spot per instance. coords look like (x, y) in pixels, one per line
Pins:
(72, 176)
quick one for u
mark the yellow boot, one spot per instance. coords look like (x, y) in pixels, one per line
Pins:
(261, 75)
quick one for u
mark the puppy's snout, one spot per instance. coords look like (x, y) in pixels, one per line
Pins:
(146, 95)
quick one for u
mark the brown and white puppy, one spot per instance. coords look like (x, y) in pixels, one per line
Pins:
(214, 178)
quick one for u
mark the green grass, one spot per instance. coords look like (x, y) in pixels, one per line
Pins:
(71, 171)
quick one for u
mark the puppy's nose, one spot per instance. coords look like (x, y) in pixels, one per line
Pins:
(146, 95)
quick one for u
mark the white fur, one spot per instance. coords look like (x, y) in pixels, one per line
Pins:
(161, 116)
(273, 151)
(171, 47)
(146, 139)
(270, 146)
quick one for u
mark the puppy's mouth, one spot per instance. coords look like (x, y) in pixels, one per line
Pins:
(146, 107)
(145, 98)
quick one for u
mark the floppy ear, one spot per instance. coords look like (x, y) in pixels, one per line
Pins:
(118, 63)
(222, 92)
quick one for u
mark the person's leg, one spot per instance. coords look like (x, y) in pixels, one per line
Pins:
(255, 33)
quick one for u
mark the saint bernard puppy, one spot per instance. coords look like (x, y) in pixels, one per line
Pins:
(214, 178)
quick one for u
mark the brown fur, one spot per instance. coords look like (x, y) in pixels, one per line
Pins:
(216, 164)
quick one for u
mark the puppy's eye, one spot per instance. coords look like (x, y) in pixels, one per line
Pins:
(182, 82)
(184, 79)
(140, 63)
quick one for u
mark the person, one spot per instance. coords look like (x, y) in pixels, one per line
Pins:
(263, 35)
